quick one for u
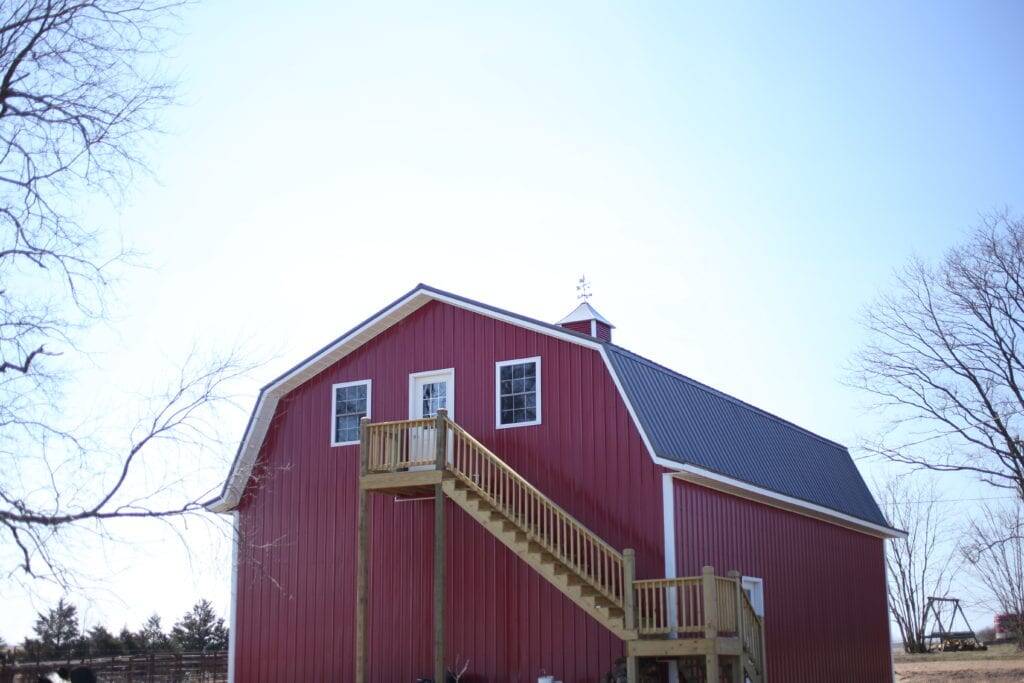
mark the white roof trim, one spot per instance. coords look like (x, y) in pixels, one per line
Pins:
(271, 394)
(582, 313)
(713, 480)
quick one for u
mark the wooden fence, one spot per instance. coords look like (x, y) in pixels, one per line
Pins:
(162, 667)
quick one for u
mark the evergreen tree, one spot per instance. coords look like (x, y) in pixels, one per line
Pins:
(152, 637)
(130, 642)
(200, 630)
(102, 643)
(58, 628)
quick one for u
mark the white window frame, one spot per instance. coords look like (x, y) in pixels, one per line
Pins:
(334, 407)
(756, 586)
(497, 392)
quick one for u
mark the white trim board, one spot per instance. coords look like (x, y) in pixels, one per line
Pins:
(741, 489)
(233, 616)
(416, 299)
(266, 405)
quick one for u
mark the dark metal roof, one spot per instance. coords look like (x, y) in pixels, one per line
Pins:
(691, 423)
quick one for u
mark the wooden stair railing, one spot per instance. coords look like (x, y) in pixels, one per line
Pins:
(602, 578)
(543, 520)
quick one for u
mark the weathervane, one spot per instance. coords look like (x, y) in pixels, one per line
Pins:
(583, 289)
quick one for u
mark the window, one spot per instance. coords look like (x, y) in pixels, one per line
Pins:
(518, 393)
(350, 402)
(434, 397)
(754, 588)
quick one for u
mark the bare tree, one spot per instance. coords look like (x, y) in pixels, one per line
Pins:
(994, 549)
(946, 359)
(920, 565)
(81, 86)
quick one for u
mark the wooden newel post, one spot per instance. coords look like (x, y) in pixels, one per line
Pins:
(364, 447)
(441, 448)
(628, 594)
(362, 555)
(440, 462)
(738, 580)
(710, 602)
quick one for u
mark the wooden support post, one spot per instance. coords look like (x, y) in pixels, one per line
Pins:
(440, 461)
(711, 674)
(362, 556)
(710, 590)
(632, 669)
(628, 594)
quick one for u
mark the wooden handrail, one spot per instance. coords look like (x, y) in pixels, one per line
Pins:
(544, 521)
(752, 632)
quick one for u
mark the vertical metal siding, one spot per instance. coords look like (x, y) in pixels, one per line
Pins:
(825, 608)
(296, 580)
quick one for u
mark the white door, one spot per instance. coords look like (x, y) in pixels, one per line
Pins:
(428, 393)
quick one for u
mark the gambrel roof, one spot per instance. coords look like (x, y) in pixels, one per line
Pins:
(702, 434)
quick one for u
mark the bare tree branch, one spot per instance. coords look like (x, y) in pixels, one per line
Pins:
(945, 360)
(920, 565)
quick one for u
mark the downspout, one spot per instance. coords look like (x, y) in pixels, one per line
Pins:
(668, 514)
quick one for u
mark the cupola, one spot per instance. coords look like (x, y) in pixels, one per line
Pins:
(586, 320)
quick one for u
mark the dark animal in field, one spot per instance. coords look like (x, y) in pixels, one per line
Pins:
(80, 674)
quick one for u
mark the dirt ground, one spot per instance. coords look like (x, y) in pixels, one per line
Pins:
(1000, 663)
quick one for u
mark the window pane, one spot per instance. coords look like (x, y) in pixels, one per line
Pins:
(517, 393)
(350, 405)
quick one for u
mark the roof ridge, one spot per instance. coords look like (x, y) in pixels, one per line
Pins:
(717, 392)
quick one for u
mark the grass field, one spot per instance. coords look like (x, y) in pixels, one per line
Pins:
(998, 663)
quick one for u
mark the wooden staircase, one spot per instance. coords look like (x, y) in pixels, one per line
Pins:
(707, 616)
(560, 575)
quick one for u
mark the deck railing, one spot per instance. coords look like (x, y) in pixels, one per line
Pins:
(669, 606)
(401, 445)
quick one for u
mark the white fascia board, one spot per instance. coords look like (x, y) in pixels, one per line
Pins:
(271, 395)
(713, 480)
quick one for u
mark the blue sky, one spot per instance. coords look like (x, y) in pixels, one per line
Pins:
(737, 181)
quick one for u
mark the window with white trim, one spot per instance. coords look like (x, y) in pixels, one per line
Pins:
(350, 401)
(517, 392)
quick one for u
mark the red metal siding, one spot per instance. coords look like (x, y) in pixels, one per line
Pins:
(825, 611)
(296, 583)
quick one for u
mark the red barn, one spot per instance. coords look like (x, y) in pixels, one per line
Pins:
(449, 484)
